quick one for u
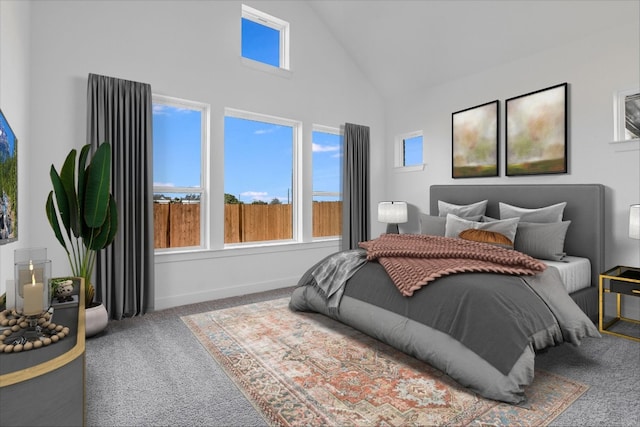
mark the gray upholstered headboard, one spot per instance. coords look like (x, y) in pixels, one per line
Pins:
(585, 209)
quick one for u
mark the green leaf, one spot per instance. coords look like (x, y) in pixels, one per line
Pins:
(53, 221)
(103, 236)
(113, 220)
(61, 200)
(82, 178)
(96, 196)
(70, 218)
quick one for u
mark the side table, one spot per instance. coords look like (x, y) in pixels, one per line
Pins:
(46, 386)
(622, 281)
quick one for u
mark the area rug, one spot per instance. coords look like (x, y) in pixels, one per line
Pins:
(304, 369)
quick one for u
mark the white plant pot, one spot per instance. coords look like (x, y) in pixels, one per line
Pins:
(96, 319)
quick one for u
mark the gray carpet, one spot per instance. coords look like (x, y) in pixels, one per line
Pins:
(151, 371)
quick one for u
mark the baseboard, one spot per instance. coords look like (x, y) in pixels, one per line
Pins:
(226, 292)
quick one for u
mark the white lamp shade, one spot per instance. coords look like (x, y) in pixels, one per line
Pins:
(634, 221)
(392, 212)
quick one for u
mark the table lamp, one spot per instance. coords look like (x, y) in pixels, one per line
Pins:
(393, 213)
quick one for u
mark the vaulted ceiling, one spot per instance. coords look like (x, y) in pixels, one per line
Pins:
(408, 45)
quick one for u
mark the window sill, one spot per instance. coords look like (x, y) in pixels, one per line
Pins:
(626, 145)
(410, 168)
(256, 65)
(242, 250)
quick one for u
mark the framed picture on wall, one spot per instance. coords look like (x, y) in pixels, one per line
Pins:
(536, 132)
(8, 182)
(474, 141)
(626, 115)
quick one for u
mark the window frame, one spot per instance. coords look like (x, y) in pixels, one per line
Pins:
(297, 209)
(399, 152)
(333, 131)
(280, 25)
(203, 190)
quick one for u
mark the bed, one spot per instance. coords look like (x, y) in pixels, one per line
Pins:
(479, 326)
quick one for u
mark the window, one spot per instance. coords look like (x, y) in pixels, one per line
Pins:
(408, 151)
(412, 151)
(180, 133)
(327, 146)
(260, 177)
(265, 38)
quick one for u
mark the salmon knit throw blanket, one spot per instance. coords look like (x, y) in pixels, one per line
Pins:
(413, 260)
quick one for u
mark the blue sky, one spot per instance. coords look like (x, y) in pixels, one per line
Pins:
(258, 160)
(413, 151)
(327, 163)
(260, 43)
(176, 146)
(258, 156)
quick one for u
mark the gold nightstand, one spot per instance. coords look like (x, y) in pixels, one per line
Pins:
(622, 280)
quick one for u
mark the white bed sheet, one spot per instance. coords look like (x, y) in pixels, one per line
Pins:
(574, 271)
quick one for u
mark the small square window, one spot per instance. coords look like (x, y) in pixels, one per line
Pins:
(409, 153)
(412, 151)
(264, 38)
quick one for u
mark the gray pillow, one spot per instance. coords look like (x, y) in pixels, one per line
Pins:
(551, 213)
(542, 241)
(463, 211)
(433, 225)
(455, 225)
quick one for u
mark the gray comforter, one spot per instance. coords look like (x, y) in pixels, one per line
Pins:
(482, 329)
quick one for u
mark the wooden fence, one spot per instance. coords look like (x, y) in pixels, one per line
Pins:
(178, 225)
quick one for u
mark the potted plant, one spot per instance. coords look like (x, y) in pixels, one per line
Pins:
(88, 216)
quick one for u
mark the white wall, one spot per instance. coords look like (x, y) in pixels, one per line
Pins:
(187, 50)
(595, 67)
(14, 101)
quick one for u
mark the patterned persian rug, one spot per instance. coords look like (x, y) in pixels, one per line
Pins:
(304, 369)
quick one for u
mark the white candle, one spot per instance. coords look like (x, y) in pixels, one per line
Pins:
(33, 299)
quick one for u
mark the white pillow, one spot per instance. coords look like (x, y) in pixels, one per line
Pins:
(474, 209)
(551, 213)
(456, 225)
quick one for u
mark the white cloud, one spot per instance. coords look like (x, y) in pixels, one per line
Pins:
(255, 195)
(319, 148)
(159, 109)
(265, 131)
(164, 184)
(165, 110)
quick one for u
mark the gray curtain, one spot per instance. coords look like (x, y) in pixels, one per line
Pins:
(355, 186)
(120, 111)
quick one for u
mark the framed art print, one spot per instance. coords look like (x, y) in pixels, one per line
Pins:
(8, 182)
(474, 141)
(626, 115)
(536, 132)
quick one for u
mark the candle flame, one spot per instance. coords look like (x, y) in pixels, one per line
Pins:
(33, 274)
